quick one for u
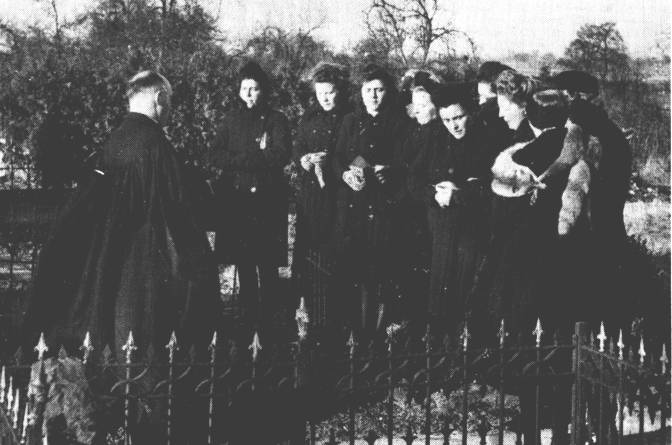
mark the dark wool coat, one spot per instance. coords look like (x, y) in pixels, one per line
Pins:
(317, 132)
(460, 230)
(530, 272)
(365, 219)
(249, 153)
(128, 253)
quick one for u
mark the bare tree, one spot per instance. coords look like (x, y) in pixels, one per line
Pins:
(411, 28)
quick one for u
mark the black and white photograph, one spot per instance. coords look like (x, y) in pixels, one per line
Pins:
(265, 222)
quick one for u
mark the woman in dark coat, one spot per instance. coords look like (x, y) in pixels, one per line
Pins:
(411, 231)
(450, 173)
(249, 153)
(533, 272)
(313, 151)
(366, 164)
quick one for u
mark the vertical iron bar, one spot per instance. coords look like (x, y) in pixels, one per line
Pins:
(538, 331)
(663, 414)
(502, 336)
(171, 347)
(428, 384)
(640, 379)
(621, 395)
(580, 330)
(211, 388)
(465, 383)
(602, 337)
(351, 409)
(129, 347)
(390, 392)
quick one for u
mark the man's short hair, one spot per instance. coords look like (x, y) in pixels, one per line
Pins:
(145, 80)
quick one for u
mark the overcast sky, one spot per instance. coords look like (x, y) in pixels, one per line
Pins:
(497, 26)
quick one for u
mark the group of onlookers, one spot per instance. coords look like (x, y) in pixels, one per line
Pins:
(507, 192)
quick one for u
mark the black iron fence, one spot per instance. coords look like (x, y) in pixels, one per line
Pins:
(392, 387)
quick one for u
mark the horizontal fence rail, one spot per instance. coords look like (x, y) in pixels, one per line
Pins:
(394, 386)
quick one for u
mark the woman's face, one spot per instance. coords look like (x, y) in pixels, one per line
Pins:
(326, 94)
(455, 119)
(510, 111)
(423, 108)
(250, 92)
(373, 93)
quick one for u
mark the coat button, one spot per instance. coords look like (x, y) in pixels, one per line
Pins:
(253, 189)
(370, 145)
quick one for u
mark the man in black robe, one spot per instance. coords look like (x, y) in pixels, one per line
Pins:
(127, 253)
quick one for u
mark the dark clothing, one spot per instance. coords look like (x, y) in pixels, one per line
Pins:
(611, 183)
(530, 272)
(488, 116)
(315, 210)
(364, 220)
(460, 230)
(128, 254)
(249, 153)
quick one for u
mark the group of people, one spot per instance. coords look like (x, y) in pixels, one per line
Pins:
(435, 201)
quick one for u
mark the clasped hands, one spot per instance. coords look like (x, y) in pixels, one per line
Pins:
(356, 180)
(444, 193)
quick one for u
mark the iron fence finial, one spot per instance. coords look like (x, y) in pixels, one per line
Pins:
(41, 347)
(620, 344)
(129, 347)
(172, 346)
(465, 336)
(255, 346)
(602, 337)
(502, 332)
(538, 331)
(87, 347)
(664, 360)
(213, 342)
(352, 344)
(641, 352)
(302, 319)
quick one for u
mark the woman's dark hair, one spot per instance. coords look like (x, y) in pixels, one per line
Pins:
(331, 73)
(455, 93)
(252, 70)
(375, 72)
(414, 79)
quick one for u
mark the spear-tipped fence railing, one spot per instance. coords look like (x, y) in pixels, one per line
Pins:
(427, 388)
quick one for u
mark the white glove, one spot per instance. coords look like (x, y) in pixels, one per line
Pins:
(306, 162)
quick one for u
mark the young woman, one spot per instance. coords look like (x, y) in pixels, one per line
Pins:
(365, 161)
(450, 172)
(313, 151)
(251, 148)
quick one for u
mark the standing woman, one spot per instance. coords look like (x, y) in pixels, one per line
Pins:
(250, 151)
(412, 233)
(366, 162)
(313, 151)
(450, 173)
